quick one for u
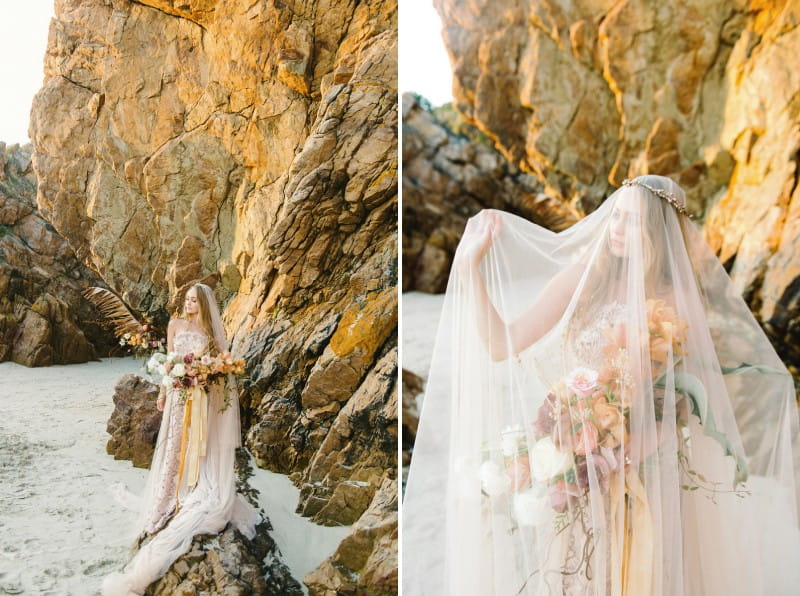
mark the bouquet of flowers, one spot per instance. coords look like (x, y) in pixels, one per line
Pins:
(185, 372)
(585, 422)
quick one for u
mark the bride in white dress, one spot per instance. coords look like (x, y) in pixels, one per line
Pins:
(603, 416)
(173, 507)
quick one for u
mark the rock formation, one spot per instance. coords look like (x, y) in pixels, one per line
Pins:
(586, 94)
(366, 561)
(134, 424)
(448, 176)
(229, 563)
(43, 317)
(251, 146)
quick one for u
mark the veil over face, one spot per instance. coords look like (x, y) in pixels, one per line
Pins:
(646, 443)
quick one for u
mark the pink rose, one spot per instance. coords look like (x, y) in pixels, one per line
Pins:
(582, 381)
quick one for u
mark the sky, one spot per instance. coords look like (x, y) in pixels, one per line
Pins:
(23, 39)
(424, 64)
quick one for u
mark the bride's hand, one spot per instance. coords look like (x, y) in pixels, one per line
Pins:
(162, 398)
(479, 235)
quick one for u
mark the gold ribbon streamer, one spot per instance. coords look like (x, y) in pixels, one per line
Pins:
(636, 542)
(193, 438)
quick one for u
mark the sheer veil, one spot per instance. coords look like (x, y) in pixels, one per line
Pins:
(212, 503)
(603, 415)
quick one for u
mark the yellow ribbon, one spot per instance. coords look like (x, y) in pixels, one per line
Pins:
(193, 437)
(636, 540)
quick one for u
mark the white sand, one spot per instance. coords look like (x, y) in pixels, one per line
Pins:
(421, 313)
(60, 526)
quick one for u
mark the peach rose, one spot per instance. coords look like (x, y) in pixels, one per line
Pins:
(586, 439)
(606, 415)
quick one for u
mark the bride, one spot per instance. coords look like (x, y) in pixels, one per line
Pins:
(188, 492)
(603, 416)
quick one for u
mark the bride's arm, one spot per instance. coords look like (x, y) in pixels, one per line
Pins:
(500, 338)
(162, 391)
(505, 339)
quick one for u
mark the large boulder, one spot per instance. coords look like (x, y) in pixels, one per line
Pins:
(135, 421)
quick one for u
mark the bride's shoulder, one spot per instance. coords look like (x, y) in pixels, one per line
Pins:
(176, 324)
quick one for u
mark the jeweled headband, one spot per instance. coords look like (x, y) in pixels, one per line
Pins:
(660, 192)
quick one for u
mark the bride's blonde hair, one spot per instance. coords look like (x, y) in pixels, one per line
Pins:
(204, 294)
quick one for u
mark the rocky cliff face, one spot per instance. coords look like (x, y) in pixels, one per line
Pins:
(449, 174)
(43, 317)
(585, 94)
(252, 146)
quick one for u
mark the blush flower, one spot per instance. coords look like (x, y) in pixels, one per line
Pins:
(582, 381)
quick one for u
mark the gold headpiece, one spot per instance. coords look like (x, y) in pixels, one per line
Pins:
(660, 192)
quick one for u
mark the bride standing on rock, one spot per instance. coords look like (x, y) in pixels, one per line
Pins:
(190, 489)
(603, 416)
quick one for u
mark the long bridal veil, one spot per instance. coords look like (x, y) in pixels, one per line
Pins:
(209, 506)
(646, 443)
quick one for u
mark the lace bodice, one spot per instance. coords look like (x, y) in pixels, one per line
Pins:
(189, 341)
(587, 348)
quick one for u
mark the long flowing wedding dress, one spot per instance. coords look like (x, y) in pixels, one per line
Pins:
(205, 508)
(644, 444)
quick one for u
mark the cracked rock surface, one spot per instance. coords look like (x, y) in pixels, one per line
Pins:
(44, 319)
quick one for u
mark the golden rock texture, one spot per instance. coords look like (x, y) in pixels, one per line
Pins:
(375, 531)
(44, 319)
(251, 145)
(583, 95)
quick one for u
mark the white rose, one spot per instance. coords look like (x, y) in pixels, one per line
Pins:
(166, 381)
(178, 370)
(532, 507)
(155, 363)
(510, 438)
(494, 480)
(547, 461)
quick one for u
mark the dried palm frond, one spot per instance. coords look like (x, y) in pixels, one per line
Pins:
(114, 309)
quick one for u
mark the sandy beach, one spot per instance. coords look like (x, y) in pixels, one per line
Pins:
(420, 322)
(61, 526)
